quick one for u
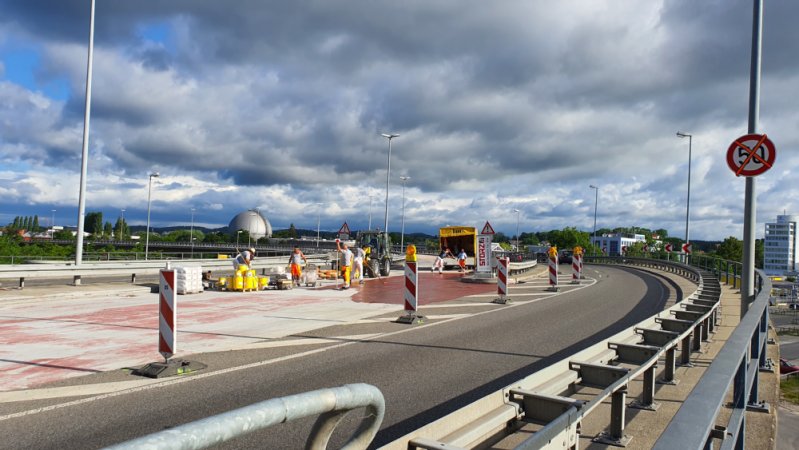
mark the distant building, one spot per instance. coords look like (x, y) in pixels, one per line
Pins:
(611, 244)
(779, 246)
(253, 222)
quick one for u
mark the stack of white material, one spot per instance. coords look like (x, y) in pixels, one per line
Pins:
(188, 280)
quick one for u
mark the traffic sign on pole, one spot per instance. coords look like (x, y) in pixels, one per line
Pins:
(686, 248)
(751, 155)
(344, 232)
(487, 229)
(667, 248)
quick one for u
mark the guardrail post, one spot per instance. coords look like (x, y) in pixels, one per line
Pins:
(76, 280)
(706, 329)
(132, 278)
(647, 401)
(685, 352)
(21, 282)
(615, 436)
(698, 337)
(668, 372)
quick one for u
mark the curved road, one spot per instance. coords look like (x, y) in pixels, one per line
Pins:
(424, 372)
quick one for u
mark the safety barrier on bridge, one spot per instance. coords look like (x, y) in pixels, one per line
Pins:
(542, 403)
(329, 404)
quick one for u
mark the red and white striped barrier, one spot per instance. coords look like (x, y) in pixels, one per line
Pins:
(577, 268)
(167, 312)
(580, 258)
(553, 271)
(411, 291)
(411, 287)
(502, 280)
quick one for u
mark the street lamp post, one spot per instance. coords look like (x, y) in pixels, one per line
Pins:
(238, 233)
(84, 166)
(517, 228)
(318, 221)
(370, 210)
(191, 233)
(402, 233)
(596, 201)
(688, 198)
(122, 226)
(388, 136)
(149, 197)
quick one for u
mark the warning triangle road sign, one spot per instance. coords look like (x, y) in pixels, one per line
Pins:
(345, 229)
(487, 229)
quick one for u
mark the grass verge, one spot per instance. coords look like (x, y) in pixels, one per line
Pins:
(790, 389)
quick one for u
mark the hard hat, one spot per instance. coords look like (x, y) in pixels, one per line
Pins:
(252, 250)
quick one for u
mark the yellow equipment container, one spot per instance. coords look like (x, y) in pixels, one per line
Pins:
(250, 282)
(263, 283)
(222, 283)
(238, 283)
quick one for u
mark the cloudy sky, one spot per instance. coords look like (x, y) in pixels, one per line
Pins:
(499, 106)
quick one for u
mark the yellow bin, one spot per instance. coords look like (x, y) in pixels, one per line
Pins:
(222, 283)
(263, 283)
(238, 283)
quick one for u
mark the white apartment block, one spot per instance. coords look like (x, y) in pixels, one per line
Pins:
(612, 244)
(779, 246)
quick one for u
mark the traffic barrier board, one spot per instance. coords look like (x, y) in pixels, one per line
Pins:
(667, 248)
(686, 248)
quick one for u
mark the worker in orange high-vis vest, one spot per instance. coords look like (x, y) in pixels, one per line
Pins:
(295, 260)
(345, 262)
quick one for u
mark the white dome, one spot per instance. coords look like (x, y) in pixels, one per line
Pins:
(253, 222)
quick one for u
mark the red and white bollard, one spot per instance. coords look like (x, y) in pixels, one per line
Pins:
(167, 315)
(553, 269)
(411, 290)
(502, 280)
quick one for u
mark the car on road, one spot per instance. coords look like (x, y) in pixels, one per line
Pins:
(786, 367)
(565, 257)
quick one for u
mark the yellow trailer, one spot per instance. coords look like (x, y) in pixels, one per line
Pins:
(457, 238)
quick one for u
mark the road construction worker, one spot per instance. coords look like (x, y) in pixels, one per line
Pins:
(439, 263)
(295, 260)
(243, 260)
(345, 262)
(462, 260)
(357, 263)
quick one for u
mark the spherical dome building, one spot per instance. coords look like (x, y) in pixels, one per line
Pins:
(253, 222)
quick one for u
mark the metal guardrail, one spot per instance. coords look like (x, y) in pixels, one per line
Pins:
(329, 404)
(543, 398)
(737, 365)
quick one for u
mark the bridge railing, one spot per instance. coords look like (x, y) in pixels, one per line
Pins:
(544, 400)
(329, 404)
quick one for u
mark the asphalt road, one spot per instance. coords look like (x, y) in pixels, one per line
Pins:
(424, 372)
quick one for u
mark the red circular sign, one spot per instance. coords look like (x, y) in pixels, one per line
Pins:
(751, 154)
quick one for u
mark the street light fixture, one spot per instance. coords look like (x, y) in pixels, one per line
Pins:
(191, 233)
(238, 233)
(149, 197)
(517, 228)
(388, 136)
(52, 224)
(688, 199)
(402, 233)
(371, 195)
(596, 201)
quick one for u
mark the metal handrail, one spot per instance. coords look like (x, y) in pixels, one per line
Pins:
(329, 404)
(736, 365)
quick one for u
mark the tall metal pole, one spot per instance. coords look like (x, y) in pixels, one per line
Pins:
(147, 235)
(388, 136)
(750, 216)
(122, 226)
(370, 212)
(84, 166)
(52, 221)
(402, 233)
(318, 221)
(688, 200)
(596, 201)
(191, 233)
(517, 228)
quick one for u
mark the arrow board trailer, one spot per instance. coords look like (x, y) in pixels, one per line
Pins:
(457, 238)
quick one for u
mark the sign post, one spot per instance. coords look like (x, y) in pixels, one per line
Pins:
(483, 250)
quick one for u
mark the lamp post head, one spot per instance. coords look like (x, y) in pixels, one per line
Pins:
(593, 187)
(682, 135)
(155, 175)
(405, 178)
(389, 135)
